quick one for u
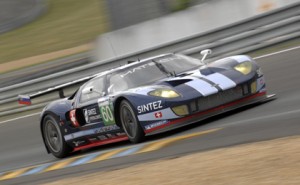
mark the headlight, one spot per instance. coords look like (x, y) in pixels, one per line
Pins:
(245, 67)
(165, 93)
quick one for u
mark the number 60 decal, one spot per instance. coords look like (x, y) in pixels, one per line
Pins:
(107, 115)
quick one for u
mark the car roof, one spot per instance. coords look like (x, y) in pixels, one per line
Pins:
(131, 64)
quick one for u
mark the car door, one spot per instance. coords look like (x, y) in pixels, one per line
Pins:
(98, 110)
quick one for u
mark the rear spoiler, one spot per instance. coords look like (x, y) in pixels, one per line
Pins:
(26, 99)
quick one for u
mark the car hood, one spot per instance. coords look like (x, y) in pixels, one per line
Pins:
(209, 79)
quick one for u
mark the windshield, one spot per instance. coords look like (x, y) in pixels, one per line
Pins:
(151, 71)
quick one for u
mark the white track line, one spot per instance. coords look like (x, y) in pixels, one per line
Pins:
(21, 117)
(259, 119)
(278, 52)
(263, 56)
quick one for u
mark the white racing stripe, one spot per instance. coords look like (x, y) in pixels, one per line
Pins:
(262, 118)
(221, 80)
(240, 58)
(201, 86)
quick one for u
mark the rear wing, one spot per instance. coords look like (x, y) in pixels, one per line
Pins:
(26, 99)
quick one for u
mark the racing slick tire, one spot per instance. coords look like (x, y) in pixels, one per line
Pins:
(54, 139)
(130, 123)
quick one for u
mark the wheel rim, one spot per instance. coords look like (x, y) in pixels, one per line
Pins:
(129, 121)
(53, 136)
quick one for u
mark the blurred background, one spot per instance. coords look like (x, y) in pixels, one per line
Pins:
(45, 43)
(35, 28)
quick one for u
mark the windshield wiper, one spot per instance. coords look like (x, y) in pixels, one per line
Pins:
(163, 69)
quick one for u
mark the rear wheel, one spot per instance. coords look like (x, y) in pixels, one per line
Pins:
(54, 139)
(130, 123)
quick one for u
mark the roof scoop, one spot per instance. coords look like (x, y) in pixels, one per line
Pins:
(204, 54)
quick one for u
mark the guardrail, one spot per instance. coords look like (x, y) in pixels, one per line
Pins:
(248, 35)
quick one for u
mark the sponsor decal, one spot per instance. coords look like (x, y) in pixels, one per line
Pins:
(110, 135)
(141, 67)
(134, 70)
(158, 115)
(106, 129)
(106, 112)
(77, 143)
(156, 124)
(93, 139)
(165, 113)
(149, 107)
(102, 137)
(120, 134)
(91, 112)
(259, 72)
(91, 115)
(260, 83)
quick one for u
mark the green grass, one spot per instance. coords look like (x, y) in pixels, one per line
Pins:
(66, 24)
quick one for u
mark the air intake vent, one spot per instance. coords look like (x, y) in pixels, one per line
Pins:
(206, 71)
(175, 83)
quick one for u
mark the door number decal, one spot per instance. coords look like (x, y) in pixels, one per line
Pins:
(106, 111)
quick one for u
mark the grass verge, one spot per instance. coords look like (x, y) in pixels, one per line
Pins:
(66, 24)
(264, 163)
(44, 58)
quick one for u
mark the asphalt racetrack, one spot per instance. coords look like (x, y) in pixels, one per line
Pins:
(21, 143)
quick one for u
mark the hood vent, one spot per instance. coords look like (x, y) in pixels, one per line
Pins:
(210, 70)
(206, 71)
(177, 82)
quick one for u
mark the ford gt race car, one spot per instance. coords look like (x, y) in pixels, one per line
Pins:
(146, 97)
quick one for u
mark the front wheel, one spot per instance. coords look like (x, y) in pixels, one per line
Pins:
(130, 123)
(54, 139)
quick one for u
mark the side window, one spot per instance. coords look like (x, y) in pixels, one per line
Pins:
(92, 90)
(117, 83)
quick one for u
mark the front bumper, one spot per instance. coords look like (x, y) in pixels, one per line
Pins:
(199, 116)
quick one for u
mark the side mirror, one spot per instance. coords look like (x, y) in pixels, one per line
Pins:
(88, 90)
(205, 53)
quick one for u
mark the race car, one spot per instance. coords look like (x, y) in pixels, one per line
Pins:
(147, 97)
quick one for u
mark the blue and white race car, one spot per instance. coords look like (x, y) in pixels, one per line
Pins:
(149, 96)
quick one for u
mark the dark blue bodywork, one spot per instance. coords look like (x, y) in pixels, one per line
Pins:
(155, 113)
